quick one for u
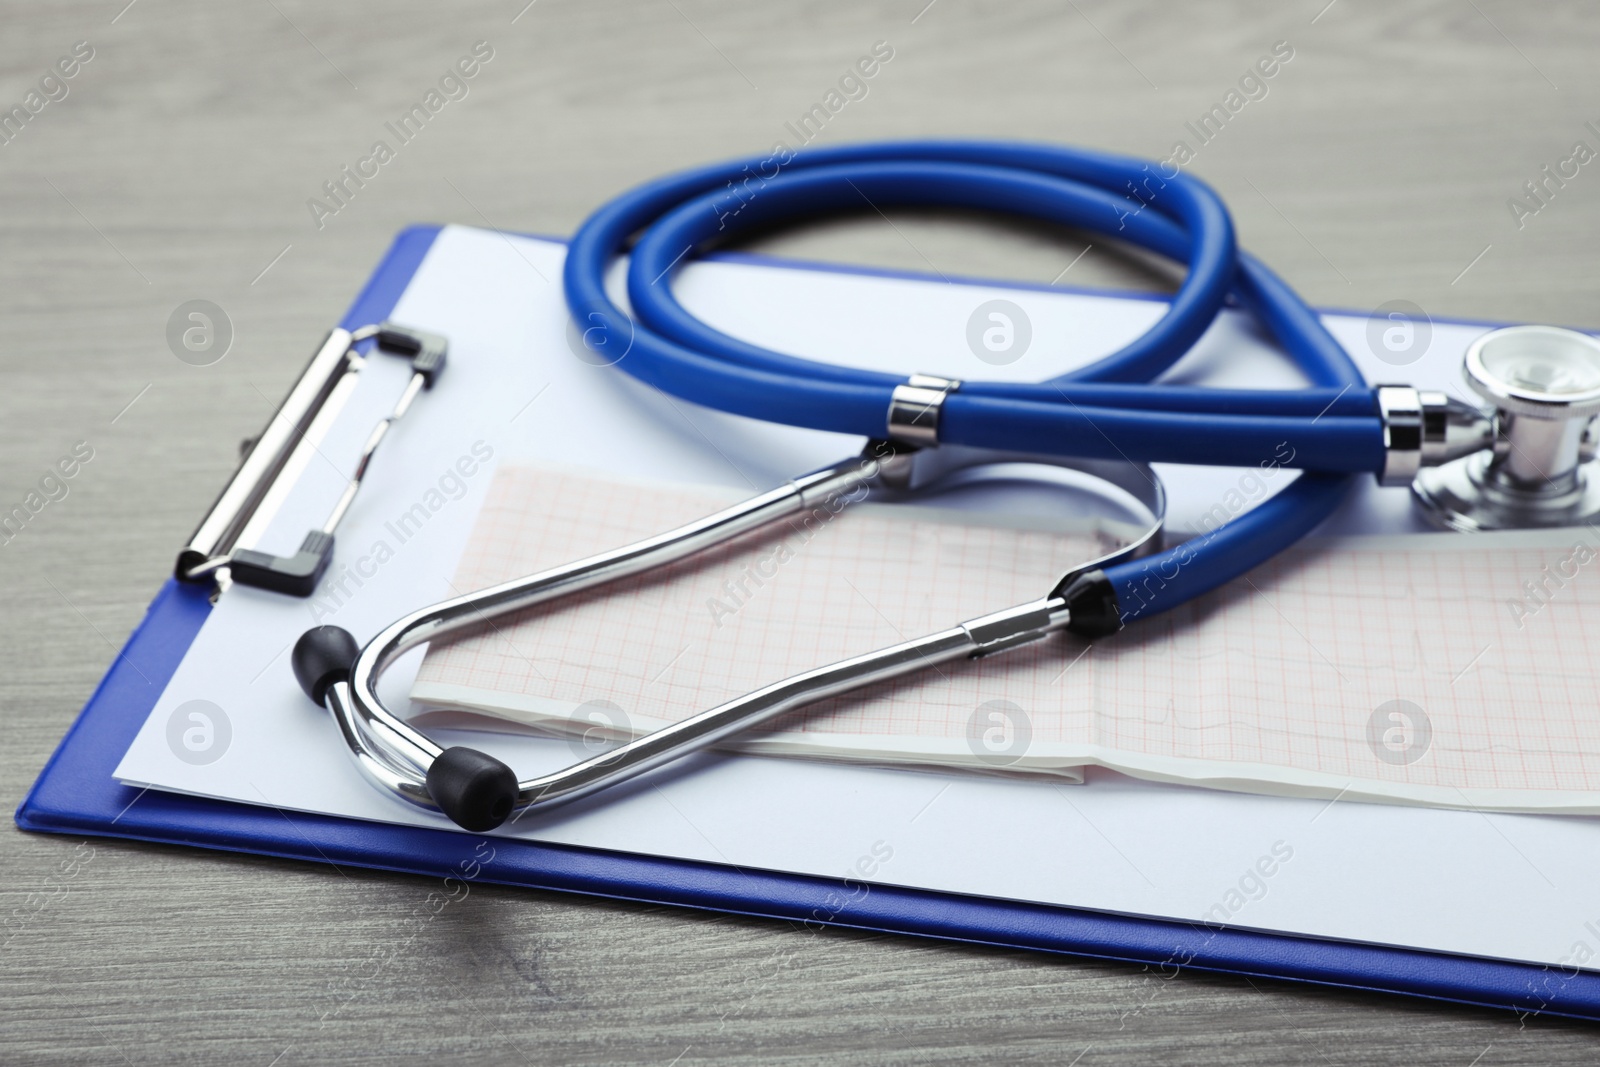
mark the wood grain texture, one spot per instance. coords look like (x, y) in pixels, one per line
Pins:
(1377, 168)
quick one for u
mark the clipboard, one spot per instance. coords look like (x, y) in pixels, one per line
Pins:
(76, 793)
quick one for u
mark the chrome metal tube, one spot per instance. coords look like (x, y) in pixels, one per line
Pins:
(399, 758)
(1029, 623)
(410, 783)
(378, 728)
(472, 610)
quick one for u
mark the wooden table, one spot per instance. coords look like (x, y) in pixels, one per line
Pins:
(1377, 167)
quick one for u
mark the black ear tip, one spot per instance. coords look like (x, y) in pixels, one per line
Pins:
(322, 656)
(476, 790)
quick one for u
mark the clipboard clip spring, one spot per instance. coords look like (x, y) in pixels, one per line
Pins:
(213, 547)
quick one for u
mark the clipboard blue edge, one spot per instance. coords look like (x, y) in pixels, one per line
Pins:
(77, 794)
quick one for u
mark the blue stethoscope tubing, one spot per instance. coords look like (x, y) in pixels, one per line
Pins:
(1106, 410)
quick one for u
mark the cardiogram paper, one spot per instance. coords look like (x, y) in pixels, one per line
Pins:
(1453, 672)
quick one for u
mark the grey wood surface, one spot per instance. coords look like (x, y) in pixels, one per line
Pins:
(1377, 168)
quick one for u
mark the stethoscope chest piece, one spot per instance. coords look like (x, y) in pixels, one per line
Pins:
(1544, 383)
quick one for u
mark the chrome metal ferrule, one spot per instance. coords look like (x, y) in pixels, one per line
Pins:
(1425, 428)
(915, 407)
(1400, 406)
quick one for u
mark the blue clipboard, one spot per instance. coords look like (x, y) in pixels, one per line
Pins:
(76, 793)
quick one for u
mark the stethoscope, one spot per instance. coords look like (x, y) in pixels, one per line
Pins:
(1523, 465)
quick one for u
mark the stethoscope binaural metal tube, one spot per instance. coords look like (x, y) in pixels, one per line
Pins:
(479, 792)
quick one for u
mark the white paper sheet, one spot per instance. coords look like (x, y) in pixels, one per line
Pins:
(1517, 887)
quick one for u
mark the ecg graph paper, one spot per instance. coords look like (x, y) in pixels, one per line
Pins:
(1420, 669)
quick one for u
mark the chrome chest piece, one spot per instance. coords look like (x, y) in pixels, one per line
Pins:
(1544, 383)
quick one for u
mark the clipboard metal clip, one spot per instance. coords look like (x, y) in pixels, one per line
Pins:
(213, 547)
